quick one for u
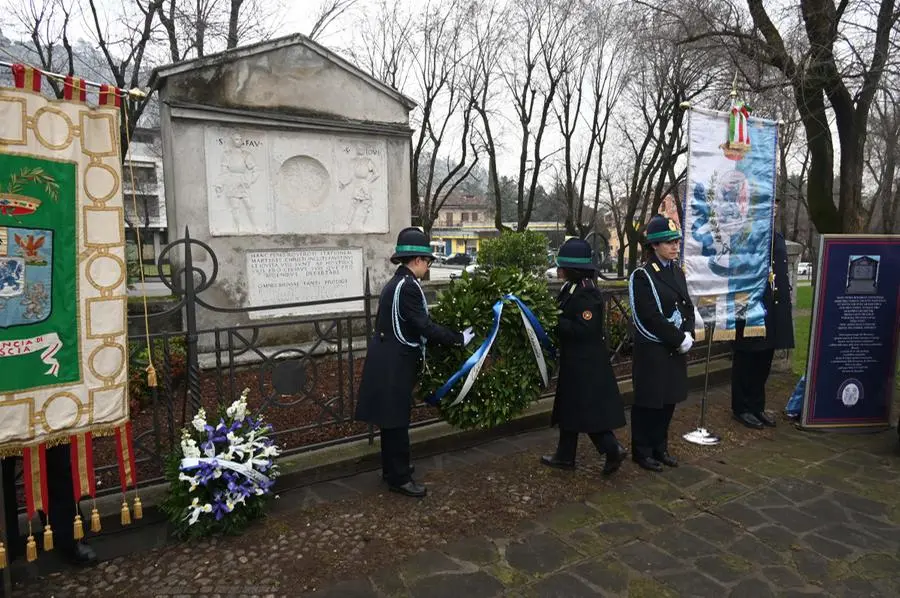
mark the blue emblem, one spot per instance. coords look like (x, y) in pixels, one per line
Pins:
(26, 268)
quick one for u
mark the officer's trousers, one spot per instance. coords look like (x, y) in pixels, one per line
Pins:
(605, 442)
(395, 456)
(61, 502)
(650, 431)
(749, 372)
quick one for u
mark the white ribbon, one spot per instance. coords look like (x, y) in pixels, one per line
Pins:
(535, 347)
(48, 344)
(243, 469)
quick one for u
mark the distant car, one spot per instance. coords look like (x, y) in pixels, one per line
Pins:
(804, 269)
(551, 273)
(459, 259)
(471, 269)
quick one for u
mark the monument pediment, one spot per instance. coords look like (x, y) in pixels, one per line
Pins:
(289, 75)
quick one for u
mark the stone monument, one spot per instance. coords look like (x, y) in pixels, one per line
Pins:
(293, 166)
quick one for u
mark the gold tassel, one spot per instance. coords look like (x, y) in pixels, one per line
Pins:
(151, 376)
(78, 529)
(126, 513)
(95, 521)
(2, 556)
(48, 538)
(30, 550)
(138, 508)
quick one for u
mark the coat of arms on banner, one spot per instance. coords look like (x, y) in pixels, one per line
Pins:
(728, 218)
(63, 299)
(38, 320)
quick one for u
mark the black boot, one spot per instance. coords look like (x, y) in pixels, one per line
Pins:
(749, 420)
(648, 463)
(411, 489)
(552, 461)
(614, 461)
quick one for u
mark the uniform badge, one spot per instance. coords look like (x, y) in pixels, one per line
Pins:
(672, 226)
(586, 315)
(656, 267)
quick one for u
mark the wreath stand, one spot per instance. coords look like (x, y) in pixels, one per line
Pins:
(701, 435)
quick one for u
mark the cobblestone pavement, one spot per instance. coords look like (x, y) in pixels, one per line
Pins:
(772, 513)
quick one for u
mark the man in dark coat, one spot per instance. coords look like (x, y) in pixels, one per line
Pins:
(395, 353)
(752, 357)
(587, 394)
(663, 316)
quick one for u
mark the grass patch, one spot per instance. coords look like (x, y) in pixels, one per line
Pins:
(804, 297)
(801, 342)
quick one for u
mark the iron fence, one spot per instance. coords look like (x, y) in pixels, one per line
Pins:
(307, 389)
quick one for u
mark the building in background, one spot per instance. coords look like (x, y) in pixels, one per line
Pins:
(144, 198)
(462, 222)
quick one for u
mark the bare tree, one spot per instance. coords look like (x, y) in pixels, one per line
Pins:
(46, 23)
(882, 160)
(195, 28)
(664, 78)
(329, 12)
(440, 50)
(537, 60)
(588, 91)
(836, 70)
(489, 41)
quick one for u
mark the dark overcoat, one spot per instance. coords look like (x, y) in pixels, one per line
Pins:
(659, 371)
(392, 366)
(587, 395)
(777, 303)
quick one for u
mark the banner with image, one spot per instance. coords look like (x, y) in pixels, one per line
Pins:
(728, 218)
(63, 298)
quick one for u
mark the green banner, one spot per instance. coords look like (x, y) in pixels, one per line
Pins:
(39, 341)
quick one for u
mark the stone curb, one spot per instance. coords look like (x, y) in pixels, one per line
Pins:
(359, 456)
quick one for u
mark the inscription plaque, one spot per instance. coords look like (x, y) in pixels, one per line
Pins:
(298, 275)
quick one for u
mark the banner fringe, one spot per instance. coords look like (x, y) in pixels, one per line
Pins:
(754, 331)
(17, 450)
(723, 335)
(699, 334)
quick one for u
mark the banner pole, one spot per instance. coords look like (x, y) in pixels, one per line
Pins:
(701, 435)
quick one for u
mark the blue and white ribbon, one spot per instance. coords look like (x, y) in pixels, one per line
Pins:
(470, 369)
(244, 469)
(675, 319)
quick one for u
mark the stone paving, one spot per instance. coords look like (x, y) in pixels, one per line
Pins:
(770, 513)
(805, 514)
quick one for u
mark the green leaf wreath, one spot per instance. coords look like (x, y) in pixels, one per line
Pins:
(510, 381)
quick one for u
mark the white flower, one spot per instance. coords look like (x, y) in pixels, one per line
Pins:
(192, 480)
(238, 410)
(199, 421)
(189, 448)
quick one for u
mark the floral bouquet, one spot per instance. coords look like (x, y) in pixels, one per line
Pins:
(221, 476)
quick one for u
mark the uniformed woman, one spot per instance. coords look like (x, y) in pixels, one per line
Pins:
(663, 316)
(587, 395)
(395, 353)
(752, 357)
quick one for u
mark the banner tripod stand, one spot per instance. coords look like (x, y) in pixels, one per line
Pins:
(701, 435)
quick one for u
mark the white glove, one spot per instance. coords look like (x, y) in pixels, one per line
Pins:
(468, 335)
(686, 344)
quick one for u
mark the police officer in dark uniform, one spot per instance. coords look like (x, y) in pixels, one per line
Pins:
(663, 316)
(395, 352)
(587, 394)
(752, 356)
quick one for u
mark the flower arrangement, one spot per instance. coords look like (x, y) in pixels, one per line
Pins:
(510, 380)
(221, 475)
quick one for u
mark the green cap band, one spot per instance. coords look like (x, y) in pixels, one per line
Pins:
(419, 248)
(573, 260)
(666, 235)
